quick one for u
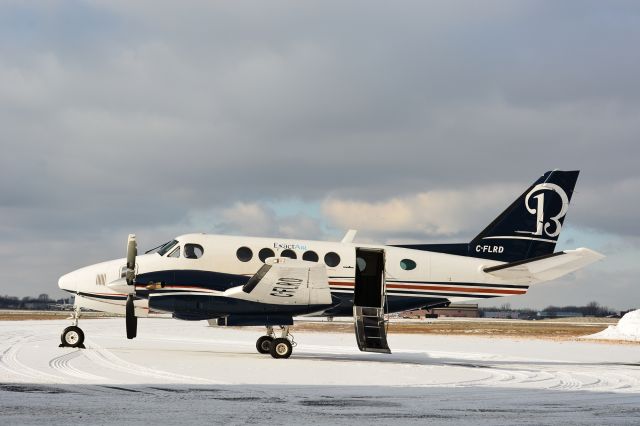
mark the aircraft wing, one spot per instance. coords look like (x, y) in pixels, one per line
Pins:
(544, 268)
(285, 281)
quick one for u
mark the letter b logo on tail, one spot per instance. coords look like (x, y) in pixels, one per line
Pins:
(552, 226)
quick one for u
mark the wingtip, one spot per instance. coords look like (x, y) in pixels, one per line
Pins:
(587, 252)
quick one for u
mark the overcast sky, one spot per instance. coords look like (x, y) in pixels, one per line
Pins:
(408, 120)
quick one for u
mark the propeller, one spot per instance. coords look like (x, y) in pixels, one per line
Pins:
(130, 313)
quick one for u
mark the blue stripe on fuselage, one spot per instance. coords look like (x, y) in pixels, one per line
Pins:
(220, 281)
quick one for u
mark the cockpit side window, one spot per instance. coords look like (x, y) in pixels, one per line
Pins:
(193, 251)
(175, 253)
(166, 247)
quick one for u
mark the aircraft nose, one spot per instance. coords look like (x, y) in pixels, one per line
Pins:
(67, 282)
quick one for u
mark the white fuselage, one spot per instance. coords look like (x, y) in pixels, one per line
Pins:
(408, 273)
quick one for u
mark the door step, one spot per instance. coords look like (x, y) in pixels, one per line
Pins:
(371, 332)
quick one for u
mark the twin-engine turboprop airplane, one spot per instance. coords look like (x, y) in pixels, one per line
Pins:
(243, 281)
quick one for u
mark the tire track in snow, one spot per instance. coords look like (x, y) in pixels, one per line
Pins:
(6, 356)
(105, 358)
(537, 377)
(566, 381)
(9, 361)
(62, 364)
(584, 378)
(624, 381)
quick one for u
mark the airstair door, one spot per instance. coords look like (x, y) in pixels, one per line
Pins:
(368, 301)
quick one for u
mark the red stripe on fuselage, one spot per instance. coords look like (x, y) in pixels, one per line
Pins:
(432, 287)
(440, 288)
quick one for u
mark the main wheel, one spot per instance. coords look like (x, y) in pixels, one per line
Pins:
(281, 348)
(72, 336)
(263, 345)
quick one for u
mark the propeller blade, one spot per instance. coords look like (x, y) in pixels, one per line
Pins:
(132, 252)
(131, 319)
(130, 312)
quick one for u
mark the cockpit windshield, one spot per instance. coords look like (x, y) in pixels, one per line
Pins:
(166, 247)
(155, 249)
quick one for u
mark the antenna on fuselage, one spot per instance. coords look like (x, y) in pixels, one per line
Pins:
(349, 236)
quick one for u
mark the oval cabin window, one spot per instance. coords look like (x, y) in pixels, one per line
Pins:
(265, 253)
(407, 264)
(288, 253)
(332, 259)
(244, 254)
(310, 256)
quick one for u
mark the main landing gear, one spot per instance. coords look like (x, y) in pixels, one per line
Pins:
(73, 336)
(278, 347)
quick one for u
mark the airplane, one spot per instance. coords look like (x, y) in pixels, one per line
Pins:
(246, 281)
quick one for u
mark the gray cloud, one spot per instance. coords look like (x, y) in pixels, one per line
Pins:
(120, 116)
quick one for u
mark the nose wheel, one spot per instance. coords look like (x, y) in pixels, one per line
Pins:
(73, 336)
(278, 347)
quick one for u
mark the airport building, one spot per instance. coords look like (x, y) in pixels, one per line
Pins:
(502, 314)
(455, 310)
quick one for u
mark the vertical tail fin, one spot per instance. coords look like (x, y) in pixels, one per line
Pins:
(530, 226)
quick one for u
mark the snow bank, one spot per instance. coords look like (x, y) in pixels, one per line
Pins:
(628, 328)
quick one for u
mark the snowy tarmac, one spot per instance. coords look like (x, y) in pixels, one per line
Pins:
(178, 371)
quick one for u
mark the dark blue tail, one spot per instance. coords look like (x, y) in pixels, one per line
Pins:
(528, 228)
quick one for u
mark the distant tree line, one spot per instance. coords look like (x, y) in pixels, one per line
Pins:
(592, 309)
(42, 302)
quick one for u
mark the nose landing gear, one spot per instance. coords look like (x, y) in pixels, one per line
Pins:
(73, 336)
(278, 347)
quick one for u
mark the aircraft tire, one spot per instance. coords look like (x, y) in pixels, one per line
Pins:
(263, 345)
(73, 337)
(281, 348)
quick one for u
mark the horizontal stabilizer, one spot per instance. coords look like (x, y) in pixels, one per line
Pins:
(545, 268)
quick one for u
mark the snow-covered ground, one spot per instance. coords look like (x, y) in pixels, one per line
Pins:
(628, 328)
(188, 372)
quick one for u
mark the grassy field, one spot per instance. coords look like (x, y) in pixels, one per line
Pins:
(46, 315)
(545, 329)
(531, 329)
